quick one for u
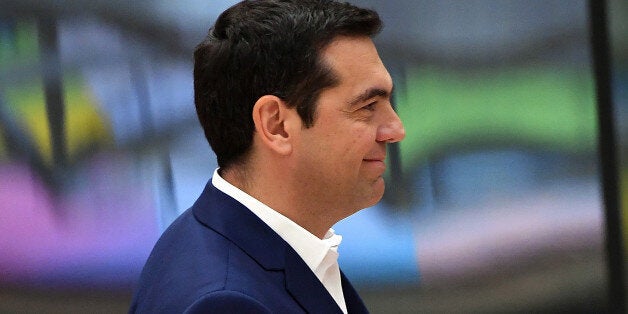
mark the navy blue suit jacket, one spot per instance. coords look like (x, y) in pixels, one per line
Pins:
(219, 257)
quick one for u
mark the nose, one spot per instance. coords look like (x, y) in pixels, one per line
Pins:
(392, 130)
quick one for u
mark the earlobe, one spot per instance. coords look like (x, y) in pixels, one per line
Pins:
(269, 115)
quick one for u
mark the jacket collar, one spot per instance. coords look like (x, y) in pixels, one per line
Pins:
(237, 223)
(234, 221)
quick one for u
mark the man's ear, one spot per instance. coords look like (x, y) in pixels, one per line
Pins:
(270, 115)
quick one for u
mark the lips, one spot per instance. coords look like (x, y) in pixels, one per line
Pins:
(376, 164)
(376, 161)
(381, 159)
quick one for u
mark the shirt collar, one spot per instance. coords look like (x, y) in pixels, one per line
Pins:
(309, 247)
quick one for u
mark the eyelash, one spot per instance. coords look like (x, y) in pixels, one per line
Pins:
(370, 107)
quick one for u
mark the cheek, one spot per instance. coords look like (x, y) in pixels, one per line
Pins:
(351, 150)
(360, 141)
(342, 147)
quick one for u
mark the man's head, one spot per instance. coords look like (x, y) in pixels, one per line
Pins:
(268, 47)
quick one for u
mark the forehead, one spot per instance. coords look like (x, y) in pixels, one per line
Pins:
(356, 63)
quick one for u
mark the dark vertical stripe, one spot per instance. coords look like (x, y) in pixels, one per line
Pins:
(53, 88)
(608, 154)
(396, 189)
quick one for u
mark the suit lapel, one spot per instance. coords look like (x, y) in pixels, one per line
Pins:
(305, 288)
(352, 299)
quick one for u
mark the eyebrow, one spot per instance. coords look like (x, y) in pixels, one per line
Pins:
(370, 93)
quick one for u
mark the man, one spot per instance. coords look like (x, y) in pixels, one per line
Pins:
(295, 102)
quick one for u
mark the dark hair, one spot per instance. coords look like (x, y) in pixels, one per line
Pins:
(267, 47)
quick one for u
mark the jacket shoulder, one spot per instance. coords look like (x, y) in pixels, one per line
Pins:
(187, 261)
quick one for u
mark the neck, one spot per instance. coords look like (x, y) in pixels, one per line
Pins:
(264, 185)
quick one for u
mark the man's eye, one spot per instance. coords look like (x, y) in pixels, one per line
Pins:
(370, 107)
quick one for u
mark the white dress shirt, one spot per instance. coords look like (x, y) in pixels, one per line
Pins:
(320, 255)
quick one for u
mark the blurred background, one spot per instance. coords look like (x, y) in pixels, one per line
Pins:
(493, 201)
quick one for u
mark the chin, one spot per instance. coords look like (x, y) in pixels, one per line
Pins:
(370, 195)
(377, 196)
(378, 190)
